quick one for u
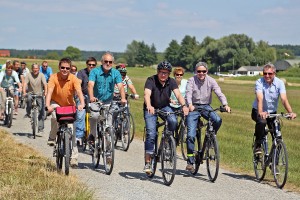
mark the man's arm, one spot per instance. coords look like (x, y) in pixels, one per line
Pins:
(147, 95)
(91, 91)
(122, 92)
(260, 111)
(287, 105)
(48, 99)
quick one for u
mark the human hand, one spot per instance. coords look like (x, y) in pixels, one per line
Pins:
(150, 110)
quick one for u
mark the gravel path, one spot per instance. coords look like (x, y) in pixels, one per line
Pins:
(127, 180)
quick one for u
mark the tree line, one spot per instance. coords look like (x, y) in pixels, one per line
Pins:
(227, 53)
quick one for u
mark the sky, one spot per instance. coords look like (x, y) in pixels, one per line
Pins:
(110, 25)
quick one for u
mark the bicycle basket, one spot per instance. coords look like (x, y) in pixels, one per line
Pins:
(66, 114)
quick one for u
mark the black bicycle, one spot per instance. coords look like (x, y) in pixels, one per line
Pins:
(165, 152)
(9, 107)
(181, 134)
(104, 141)
(209, 149)
(34, 114)
(277, 157)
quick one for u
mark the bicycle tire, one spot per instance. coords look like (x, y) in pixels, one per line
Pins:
(67, 151)
(108, 150)
(96, 151)
(117, 129)
(23, 103)
(183, 144)
(280, 164)
(34, 122)
(212, 156)
(125, 133)
(168, 159)
(9, 114)
(197, 148)
(132, 127)
(153, 164)
(59, 152)
(259, 163)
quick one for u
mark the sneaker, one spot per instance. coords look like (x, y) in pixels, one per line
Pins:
(74, 163)
(190, 168)
(258, 150)
(79, 142)
(51, 142)
(147, 168)
(108, 160)
(41, 131)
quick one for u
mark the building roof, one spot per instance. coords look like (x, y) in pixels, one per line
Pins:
(250, 68)
(284, 64)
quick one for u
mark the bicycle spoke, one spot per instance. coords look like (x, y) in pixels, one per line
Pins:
(168, 159)
(280, 164)
(212, 158)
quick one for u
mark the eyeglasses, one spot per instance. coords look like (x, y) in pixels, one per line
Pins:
(268, 73)
(66, 68)
(108, 61)
(91, 64)
(201, 71)
(164, 73)
(179, 74)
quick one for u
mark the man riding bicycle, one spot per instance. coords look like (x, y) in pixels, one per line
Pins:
(36, 83)
(199, 93)
(61, 90)
(157, 94)
(268, 89)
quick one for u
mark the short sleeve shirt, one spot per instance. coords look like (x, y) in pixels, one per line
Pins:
(104, 83)
(64, 90)
(35, 83)
(47, 73)
(83, 75)
(8, 81)
(271, 93)
(126, 81)
(160, 95)
(19, 72)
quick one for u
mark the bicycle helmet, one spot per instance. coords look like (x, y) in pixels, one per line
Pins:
(122, 68)
(164, 65)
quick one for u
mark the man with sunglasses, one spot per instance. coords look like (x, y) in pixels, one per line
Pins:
(46, 70)
(61, 90)
(199, 95)
(101, 87)
(83, 76)
(268, 89)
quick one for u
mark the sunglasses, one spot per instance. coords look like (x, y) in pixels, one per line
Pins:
(66, 68)
(201, 71)
(164, 73)
(270, 74)
(108, 61)
(179, 74)
(91, 65)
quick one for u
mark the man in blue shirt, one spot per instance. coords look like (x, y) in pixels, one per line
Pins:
(101, 85)
(46, 70)
(268, 89)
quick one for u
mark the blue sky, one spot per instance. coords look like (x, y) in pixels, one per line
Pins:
(109, 25)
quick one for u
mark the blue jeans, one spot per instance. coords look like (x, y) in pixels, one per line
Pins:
(80, 121)
(151, 132)
(191, 122)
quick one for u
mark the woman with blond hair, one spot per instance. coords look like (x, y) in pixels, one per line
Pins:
(178, 73)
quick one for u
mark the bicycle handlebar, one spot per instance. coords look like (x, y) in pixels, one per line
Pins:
(221, 109)
(284, 115)
(161, 112)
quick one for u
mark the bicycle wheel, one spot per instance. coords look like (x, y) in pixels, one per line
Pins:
(9, 115)
(153, 164)
(280, 164)
(23, 102)
(197, 155)
(212, 157)
(168, 159)
(259, 163)
(34, 123)
(125, 133)
(97, 151)
(59, 152)
(67, 150)
(108, 150)
(183, 144)
(132, 127)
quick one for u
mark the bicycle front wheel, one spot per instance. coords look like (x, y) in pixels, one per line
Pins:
(59, 152)
(132, 127)
(108, 150)
(67, 150)
(125, 133)
(259, 163)
(212, 158)
(168, 159)
(34, 122)
(183, 144)
(9, 115)
(96, 151)
(280, 164)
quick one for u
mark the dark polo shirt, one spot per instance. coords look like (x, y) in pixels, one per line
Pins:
(160, 95)
(83, 75)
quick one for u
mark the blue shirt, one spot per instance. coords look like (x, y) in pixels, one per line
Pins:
(47, 73)
(271, 93)
(104, 83)
(182, 89)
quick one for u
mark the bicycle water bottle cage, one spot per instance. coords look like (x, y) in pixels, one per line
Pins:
(66, 114)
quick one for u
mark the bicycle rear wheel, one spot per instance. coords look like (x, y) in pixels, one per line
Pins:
(212, 157)
(168, 159)
(96, 151)
(125, 133)
(197, 155)
(108, 150)
(132, 127)
(67, 150)
(280, 164)
(59, 152)
(259, 163)
(183, 144)
(34, 122)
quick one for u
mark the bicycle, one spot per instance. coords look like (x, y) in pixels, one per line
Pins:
(63, 146)
(104, 141)
(87, 130)
(9, 107)
(121, 124)
(277, 159)
(209, 149)
(165, 152)
(34, 114)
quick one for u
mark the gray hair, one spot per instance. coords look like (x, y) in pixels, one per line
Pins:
(269, 66)
(107, 53)
(201, 64)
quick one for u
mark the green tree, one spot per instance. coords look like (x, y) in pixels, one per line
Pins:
(172, 53)
(264, 53)
(72, 52)
(131, 52)
(188, 52)
(52, 56)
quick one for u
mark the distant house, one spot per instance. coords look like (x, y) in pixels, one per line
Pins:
(4, 53)
(282, 65)
(249, 70)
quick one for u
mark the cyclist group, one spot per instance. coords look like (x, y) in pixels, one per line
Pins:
(103, 83)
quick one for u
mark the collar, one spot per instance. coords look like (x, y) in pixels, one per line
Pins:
(59, 77)
(102, 71)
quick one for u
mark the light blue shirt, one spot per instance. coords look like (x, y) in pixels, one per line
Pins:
(182, 89)
(271, 93)
(8, 81)
(47, 73)
(104, 83)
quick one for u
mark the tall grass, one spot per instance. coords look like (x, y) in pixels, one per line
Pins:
(25, 174)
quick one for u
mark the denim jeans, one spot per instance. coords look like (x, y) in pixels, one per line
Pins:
(191, 121)
(151, 132)
(80, 120)
(40, 104)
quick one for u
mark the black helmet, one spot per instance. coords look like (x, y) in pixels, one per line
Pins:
(164, 65)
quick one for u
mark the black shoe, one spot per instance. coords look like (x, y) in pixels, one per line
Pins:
(258, 150)
(51, 142)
